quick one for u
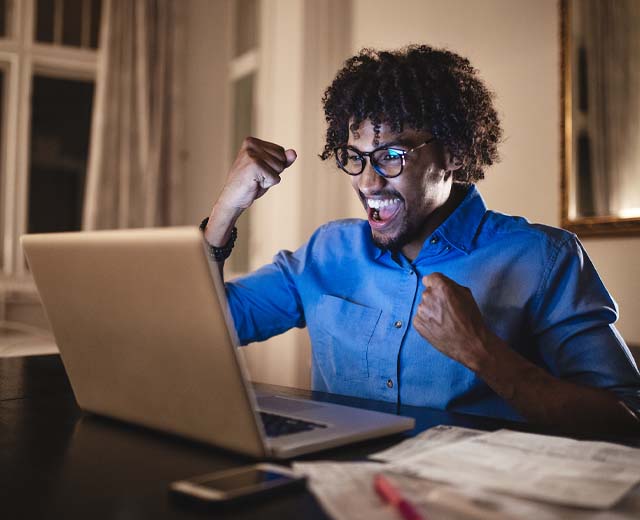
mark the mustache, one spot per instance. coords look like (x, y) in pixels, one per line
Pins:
(391, 194)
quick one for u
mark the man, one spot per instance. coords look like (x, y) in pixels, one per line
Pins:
(433, 300)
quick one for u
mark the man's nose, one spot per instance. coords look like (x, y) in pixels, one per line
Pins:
(369, 181)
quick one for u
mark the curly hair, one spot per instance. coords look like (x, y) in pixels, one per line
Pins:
(416, 87)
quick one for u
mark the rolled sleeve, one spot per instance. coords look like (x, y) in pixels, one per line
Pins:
(266, 302)
(574, 326)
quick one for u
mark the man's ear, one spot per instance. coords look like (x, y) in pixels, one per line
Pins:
(451, 163)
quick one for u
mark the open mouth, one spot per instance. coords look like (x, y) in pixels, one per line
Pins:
(382, 211)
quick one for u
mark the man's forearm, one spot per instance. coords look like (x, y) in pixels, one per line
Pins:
(221, 222)
(218, 230)
(255, 170)
(450, 319)
(545, 399)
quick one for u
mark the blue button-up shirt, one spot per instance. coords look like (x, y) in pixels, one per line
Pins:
(534, 284)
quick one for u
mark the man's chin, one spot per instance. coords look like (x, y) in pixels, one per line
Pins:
(390, 243)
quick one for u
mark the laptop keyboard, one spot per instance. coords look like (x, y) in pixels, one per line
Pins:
(277, 425)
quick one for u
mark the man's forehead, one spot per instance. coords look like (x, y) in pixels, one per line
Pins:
(366, 133)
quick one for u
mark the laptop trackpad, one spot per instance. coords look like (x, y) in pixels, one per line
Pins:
(282, 404)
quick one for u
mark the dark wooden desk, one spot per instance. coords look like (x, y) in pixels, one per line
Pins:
(57, 462)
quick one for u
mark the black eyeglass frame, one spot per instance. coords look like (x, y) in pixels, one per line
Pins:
(376, 167)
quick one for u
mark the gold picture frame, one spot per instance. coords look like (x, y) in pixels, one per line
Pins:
(583, 226)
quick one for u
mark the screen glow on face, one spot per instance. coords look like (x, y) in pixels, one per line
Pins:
(389, 158)
(387, 161)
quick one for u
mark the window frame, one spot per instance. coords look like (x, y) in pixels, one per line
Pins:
(21, 58)
(241, 66)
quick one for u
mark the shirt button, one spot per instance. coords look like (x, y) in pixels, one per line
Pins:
(397, 324)
(389, 383)
(434, 240)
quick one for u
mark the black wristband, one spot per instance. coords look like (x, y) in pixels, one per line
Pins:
(219, 254)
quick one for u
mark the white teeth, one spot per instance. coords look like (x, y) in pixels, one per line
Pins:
(381, 203)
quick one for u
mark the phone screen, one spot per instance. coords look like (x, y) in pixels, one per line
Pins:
(247, 479)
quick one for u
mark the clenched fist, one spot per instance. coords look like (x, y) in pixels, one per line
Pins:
(256, 169)
(448, 317)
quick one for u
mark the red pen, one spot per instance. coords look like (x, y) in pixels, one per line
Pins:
(390, 494)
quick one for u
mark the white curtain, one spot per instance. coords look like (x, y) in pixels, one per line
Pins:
(134, 172)
(611, 37)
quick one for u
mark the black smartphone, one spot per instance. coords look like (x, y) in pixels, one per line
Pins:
(237, 484)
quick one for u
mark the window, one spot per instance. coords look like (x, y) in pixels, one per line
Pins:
(68, 22)
(48, 56)
(243, 76)
(60, 123)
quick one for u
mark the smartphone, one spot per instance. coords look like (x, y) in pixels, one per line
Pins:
(238, 484)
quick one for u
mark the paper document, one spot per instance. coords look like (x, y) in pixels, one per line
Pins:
(552, 469)
(345, 491)
(426, 440)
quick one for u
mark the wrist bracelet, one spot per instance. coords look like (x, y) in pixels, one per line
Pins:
(220, 254)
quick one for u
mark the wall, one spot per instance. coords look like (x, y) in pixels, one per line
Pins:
(206, 96)
(614, 259)
(514, 44)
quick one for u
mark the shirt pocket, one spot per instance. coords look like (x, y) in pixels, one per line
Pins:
(343, 332)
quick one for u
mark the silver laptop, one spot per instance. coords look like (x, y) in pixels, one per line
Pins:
(143, 327)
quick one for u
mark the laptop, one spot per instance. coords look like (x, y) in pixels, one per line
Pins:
(145, 334)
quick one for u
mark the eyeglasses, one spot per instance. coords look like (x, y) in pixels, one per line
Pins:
(387, 161)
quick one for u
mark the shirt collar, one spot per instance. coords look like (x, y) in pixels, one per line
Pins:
(460, 228)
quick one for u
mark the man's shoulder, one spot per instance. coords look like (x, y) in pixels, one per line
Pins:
(348, 228)
(339, 242)
(340, 239)
(499, 226)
